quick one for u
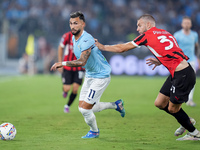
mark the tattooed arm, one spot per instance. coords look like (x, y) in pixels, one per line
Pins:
(75, 63)
(81, 61)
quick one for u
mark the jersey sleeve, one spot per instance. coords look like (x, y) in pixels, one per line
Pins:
(140, 40)
(64, 40)
(87, 43)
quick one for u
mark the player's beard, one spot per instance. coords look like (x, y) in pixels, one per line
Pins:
(77, 32)
(145, 29)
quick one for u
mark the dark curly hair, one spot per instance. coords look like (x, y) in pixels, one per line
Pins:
(77, 14)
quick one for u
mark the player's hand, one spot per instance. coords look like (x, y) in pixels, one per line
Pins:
(60, 70)
(153, 61)
(56, 65)
(99, 45)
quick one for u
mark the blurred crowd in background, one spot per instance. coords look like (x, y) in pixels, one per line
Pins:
(110, 21)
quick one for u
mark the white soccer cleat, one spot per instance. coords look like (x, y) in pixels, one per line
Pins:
(191, 103)
(190, 137)
(181, 129)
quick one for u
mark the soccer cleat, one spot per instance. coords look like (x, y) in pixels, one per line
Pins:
(181, 129)
(64, 94)
(191, 103)
(188, 136)
(91, 134)
(120, 107)
(66, 109)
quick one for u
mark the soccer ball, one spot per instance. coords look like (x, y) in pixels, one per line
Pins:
(7, 131)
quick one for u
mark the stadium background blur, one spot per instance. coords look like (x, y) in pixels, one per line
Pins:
(110, 21)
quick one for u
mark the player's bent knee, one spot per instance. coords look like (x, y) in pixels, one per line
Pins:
(75, 91)
(173, 110)
(85, 112)
(156, 104)
(159, 105)
(88, 115)
(66, 89)
(161, 101)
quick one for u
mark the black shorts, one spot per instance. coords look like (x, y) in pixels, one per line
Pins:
(179, 87)
(69, 77)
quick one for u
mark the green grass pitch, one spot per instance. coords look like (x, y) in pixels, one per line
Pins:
(35, 106)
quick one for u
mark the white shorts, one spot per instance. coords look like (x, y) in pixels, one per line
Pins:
(92, 89)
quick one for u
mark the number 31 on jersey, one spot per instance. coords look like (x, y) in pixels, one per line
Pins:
(169, 39)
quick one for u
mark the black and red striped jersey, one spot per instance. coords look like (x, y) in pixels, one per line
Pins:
(163, 46)
(66, 42)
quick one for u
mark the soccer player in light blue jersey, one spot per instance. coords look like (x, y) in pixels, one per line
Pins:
(188, 41)
(97, 75)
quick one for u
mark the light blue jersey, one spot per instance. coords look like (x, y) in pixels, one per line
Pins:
(96, 66)
(187, 43)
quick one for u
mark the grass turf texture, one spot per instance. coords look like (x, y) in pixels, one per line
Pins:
(35, 106)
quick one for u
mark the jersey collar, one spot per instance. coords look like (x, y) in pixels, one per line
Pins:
(81, 35)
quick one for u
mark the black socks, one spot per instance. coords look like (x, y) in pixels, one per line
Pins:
(182, 118)
(71, 99)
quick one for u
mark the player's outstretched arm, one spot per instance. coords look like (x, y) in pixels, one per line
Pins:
(118, 48)
(56, 65)
(75, 63)
(60, 56)
(153, 61)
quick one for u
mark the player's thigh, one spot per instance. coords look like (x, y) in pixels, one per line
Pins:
(85, 105)
(93, 89)
(161, 101)
(66, 87)
(75, 87)
(164, 94)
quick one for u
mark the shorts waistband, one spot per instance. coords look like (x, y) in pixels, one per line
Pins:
(183, 70)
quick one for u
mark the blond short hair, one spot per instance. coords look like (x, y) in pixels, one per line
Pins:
(148, 17)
